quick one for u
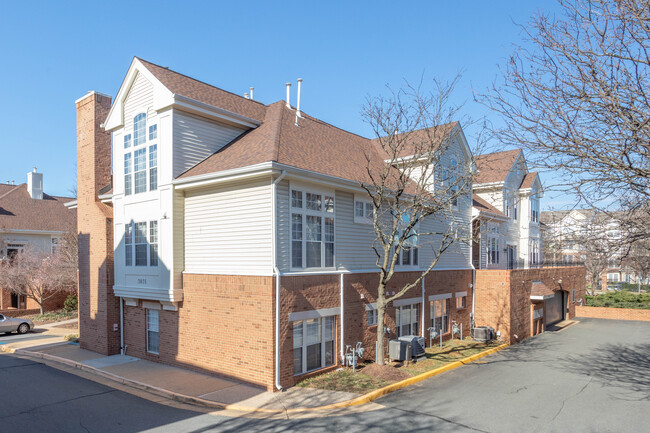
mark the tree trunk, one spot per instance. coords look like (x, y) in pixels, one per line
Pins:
(40, 304)
(381, 314)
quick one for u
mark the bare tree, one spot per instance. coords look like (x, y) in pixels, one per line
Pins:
(37, 275)
(416, 192)
(638, 259)
(575, 94)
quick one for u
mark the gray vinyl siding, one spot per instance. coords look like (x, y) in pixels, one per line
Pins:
(228, 229)
(283, 227)
(196, 138)
(353, 241)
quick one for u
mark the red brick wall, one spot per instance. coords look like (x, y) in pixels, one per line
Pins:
(503, 297)
(53, 303)
(98, 307)
(613, 313)
(304, 293)
(223, 326)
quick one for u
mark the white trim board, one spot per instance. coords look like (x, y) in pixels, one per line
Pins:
(314, 314)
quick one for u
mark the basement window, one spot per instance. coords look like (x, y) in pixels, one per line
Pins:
(152, 331)
(313, 344)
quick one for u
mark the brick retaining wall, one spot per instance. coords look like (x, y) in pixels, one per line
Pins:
(613, 313)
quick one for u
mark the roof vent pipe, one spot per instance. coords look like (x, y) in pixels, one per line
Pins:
(251, 92)
(298, 103)
(288, 95)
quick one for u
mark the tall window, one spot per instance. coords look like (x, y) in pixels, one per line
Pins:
(128, 244)
(534, 252)
(534, 209)
(153, 243)
(153, 167)
(127, 141)
(453, 180)
(139, 129)
(153, 132)
(128, 162)
(409, 254)
(313, 344)
(440, 315)
(408, 320)
(312, 230)
(152, 331)
(493, 250)
(140, 246)
(140, 170)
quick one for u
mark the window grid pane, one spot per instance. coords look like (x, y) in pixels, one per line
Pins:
(139, 129)
(140, 168)
(127, 141)
(153, 167)
(153, 240)
(128, 245)
(313, 201)
(358, 208)
(127, 173)
(153, 132)
(296, 199)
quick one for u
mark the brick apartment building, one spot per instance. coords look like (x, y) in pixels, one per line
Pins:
(233, 238)
(30, 218)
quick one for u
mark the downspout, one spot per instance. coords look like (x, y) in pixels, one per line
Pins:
(342, 323)
(276, 271)
(471, 263)
(423, 304)
(122, 348)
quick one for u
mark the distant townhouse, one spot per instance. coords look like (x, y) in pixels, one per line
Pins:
(576, 234)
(30, 218)
(506, 212)
(233, 237)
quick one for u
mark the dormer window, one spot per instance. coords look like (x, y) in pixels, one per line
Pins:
(139, 129)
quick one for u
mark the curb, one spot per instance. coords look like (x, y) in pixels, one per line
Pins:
(363, 399)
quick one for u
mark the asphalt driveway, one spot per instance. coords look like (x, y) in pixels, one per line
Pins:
(590, 377)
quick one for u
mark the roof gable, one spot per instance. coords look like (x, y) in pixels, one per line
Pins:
(495, 167)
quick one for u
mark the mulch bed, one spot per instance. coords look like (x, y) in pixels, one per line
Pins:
(385, 372)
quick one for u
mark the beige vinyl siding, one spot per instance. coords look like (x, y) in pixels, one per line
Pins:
(196, 138)
(139, 100)
(178, 239)
(352, 242)
(283, 227)
(228, 229)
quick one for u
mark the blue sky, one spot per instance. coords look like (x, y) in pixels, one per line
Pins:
(54, 52)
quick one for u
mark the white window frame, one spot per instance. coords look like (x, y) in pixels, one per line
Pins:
(493, 249)
(462, 298)
(401, 309)
(142, 169)
(152, 236)
(298, 195)
(150, 313)
(371, 314)
(303, 346)
(534, 208)
(139, 134)
(413, 247)
(443, 300)
(128, 173)
(152, 160)
(153, 132)
(368, 208)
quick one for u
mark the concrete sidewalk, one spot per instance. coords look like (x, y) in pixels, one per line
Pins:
(174, 383)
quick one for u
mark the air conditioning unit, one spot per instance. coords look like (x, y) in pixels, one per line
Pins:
(399, 350)
(417, 345)
(483, 334)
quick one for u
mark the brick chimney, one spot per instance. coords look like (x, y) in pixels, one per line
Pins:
(99, 315)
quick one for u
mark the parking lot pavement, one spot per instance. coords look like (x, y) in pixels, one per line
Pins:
(591, 377)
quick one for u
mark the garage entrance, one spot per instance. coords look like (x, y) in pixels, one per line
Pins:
(554, 309)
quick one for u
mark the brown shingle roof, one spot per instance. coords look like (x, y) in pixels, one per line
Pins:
(494, 167)
(528, 180)
(483, 206)
(314, 145)
(183, 85)
(18, 211)
(420, 141)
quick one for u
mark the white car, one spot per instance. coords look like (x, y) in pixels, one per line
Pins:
(15, 324)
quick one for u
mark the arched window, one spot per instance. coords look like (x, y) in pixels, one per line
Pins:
(139, 129)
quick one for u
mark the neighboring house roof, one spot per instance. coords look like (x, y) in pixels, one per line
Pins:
(419, 141)
(528, 180)
(551, 217)
(313, 145)
(18, 211)
(494, 167)
(485, 207)
(189, 87)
